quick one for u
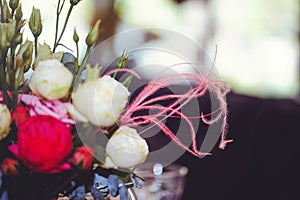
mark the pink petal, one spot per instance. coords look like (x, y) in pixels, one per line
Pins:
(15, 150)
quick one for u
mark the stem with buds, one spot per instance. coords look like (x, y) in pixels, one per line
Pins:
(3, 80)
(57, 41)
(1, 6)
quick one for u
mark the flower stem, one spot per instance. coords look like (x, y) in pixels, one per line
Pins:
(81, 67)
(12, 12)
(61, 187)
(56, 42)
(58, 11)
(77, 51)
(35, 45)
(12, 77)
(3, 80)
(57, 20)
(77, 58)
(1, 6)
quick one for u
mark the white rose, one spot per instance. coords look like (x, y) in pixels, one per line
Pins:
(101, 101)
(51, 80)
(4, 121)
(126, 148)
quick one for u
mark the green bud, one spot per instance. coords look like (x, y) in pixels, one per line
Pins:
(93, 73)
(27, 55)
(27, 58)
(6, 12)
(21, 24)
(19, 13)
(19, 73)
(75, 36)
(3, 40)
(18, 39)
(127, 81)
(122, 61)
(11, 30)
(20, 80)
(19, 61)
(8, 62)
(74, 2)
(13, 4)
(44, 53)
(58, 56)
(25, 51)
(93, 35)
(35, 22)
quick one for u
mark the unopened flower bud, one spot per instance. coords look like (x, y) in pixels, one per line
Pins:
(3, 41)
(93, 35)
(6, 12)
(18, 39)
(19, 61)
(83, 157)
(10, 166)
(75, 36)
(21, 24)
(58, 56)
(74, 2)
(20, 115)
(25, 52)
(4, 121)
(35, 22)
(93, 73)
(11, 30)
(13, 4)
(19, 13)
(44, 53)
(26, 55)
(20, 80)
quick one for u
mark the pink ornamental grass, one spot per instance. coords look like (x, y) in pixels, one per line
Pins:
(202, 84)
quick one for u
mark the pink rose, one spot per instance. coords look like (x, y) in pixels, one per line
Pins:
(54, 108)
(44, 143)
(83, 157)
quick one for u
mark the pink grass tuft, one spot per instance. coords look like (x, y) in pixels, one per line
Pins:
(203, 83)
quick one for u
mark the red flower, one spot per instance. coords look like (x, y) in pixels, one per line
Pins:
(43, 145)
(20, 115)
(83, 156)
(9, 166)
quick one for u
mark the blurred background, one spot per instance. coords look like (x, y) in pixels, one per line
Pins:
(258, 41)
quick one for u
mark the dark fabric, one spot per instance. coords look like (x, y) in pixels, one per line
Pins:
(263, 162)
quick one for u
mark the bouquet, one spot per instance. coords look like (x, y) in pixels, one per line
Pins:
(47, 118)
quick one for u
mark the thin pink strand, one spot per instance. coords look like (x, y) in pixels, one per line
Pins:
(203, 84)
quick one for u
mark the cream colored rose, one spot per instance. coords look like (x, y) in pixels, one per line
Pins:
(51, 80)
(126, 148)
(4, 121)
(101, 101)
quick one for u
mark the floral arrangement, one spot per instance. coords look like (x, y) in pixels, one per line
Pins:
(40, 117)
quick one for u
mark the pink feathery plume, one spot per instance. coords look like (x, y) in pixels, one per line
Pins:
(203, 83)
